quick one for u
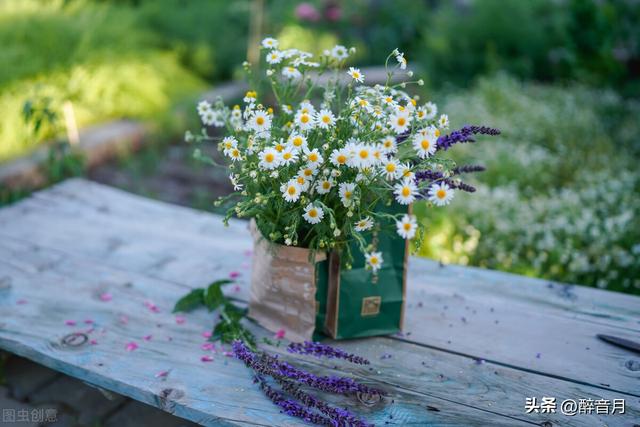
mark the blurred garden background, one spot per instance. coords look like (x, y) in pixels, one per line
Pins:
(560, 78)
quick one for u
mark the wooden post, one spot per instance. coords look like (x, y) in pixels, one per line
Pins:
(70, 122)
(255, 33)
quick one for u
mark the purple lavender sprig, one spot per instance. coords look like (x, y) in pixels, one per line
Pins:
(322, 350)
(464, 134)
(290, 378)
(292, 407)
(433, 176)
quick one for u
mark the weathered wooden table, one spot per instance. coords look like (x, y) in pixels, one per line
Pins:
(88, 259)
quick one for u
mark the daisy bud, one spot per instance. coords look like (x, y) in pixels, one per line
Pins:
(420, 82)
(337, 232)
(403, 85)
(246, 64)
(322, 244)
(244, 192)
(188, 136)
(349, 214)
(352, 50)
(287, 242)
(410, 73)
(269, 73)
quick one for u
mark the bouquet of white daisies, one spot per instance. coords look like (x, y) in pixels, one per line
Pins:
(314, 160)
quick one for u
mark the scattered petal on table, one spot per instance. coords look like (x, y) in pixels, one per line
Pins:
(131, 346)
(209, 346)
(21, 301)
(88, 322)
(70, 322)
(280, 334)
(206, 358)
(206, 334)
(162, 374)
(151, 306)
(93, 342)
(234, 274)
(106, 296)
(180, 319)
(147, 337)
(236, 288)
(248, 252)
(123, 319)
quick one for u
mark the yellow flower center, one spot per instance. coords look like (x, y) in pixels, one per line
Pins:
(364, 154)
(363, 102)
(425, 144)
(235, 153)
(373, 260)
(390, 167)
(347, 194)
(441, 194)
(326, 119)
(313, 157)
(301, 180)
(308, 172)
(260, 120)
(304, 118)
(406, 191)
(279, 147)
(401, 121)
(313, 213)
(420, 114)
(342, 159)
(326, 185)
(437, 133)
(291, 190)
(356, 75)
(287, 156)
(413, 102)
(269, 157)
(407, 226)
(406, 173)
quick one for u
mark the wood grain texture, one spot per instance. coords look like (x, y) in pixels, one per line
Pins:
(62, 248)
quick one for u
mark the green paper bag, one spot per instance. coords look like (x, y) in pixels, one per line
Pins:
(356, 303)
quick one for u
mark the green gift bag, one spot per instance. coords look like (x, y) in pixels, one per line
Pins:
(352, 303)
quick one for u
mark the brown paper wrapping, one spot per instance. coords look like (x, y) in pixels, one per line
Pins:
(283, 288)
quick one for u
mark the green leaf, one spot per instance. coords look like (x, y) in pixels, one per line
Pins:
(214, 297)
(192, 300)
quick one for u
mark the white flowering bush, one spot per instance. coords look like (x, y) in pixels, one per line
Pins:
(314, 167)
(559, 199)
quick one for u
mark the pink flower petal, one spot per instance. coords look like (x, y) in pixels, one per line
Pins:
(234, 274)
(209, 346)
(106, 296)
(227, 353)
(21, 301)
(280, 334)
(88, 322)
(206, 358)
(245, 265)
(152, 307)
(131, 346)
(236, 288)
(248, 252)
(93, 342)
(123, 319)
(162, 374)
(206, 334)
(70, 322)
(147, 337)
(180, 320)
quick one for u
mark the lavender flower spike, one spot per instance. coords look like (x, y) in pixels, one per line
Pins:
(323, 350)
(465, 134)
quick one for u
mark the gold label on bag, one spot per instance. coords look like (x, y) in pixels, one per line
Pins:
(371, 306)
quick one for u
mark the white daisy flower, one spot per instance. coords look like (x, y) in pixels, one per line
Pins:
(356, 74)
(304, 121)
(339, 52)
(229, 142)
(208, 117)
(260, 121)
(346, 193)
(340, 157)
(391, 169)
(374, 260)
(389, 144)
(405, 191)
(406, 172)
(324, 186)
(287, 109)
(363, 157)
(234, 181)
(364, 224)
(308, 172)
(288, 156)
(302, 181)
(291, 191)
(425, 144)
(431, 110)
(443, 121)
(401, 60)
(313, 214)
(203, 106)
(269, 158)
(291, 73)
(313, 157)
(270, 43)
(307, 107)
(440, 194)
(362, 103)
(234, 154)
(274, 57)
(389, 101)
(297, 142)
(407, 226)
(399, 122)
(325, 119)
